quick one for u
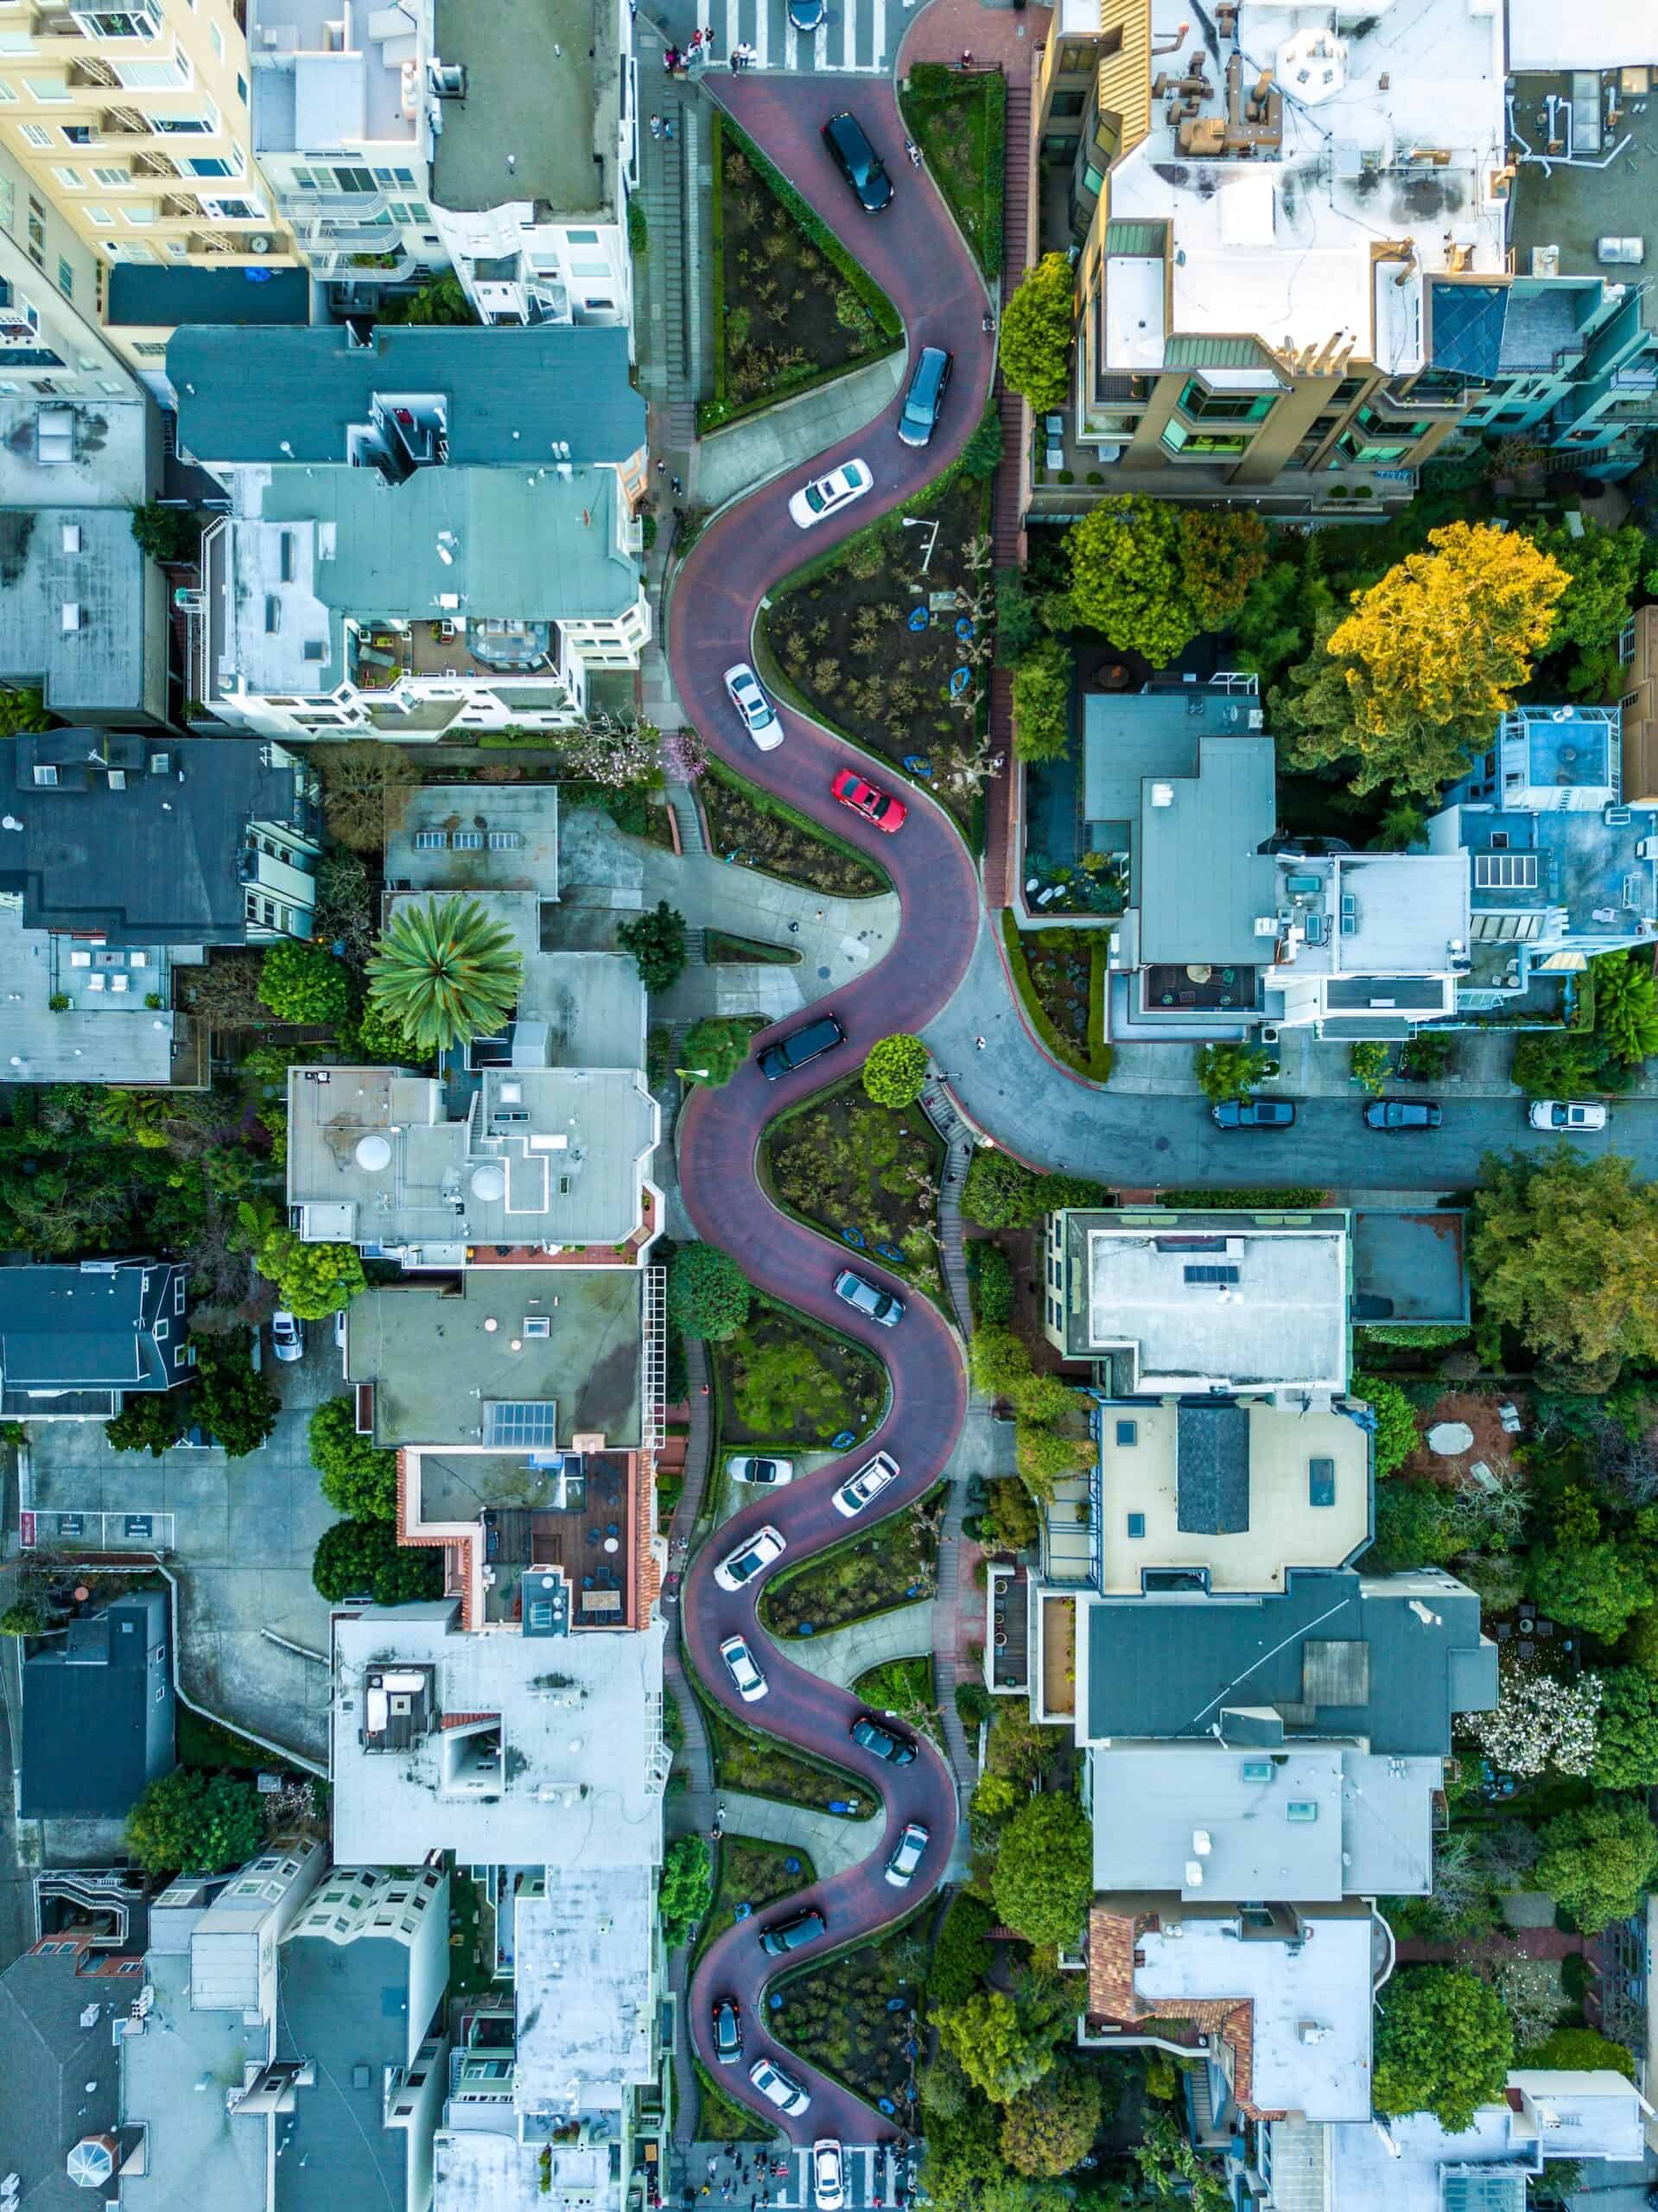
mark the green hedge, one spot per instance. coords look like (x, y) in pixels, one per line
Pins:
(1295, 1198)
(935, 89)
(1092, 1060)
(766, 804)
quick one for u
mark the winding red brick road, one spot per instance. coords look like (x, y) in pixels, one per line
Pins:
(914, 251)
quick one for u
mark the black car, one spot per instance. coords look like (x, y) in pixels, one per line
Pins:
(1402, 1114)
(785, 1936)
(925, 398)
(858, 161)
(870, 1736)
(1254, 1114)
(791, 1052)
(727, 2031)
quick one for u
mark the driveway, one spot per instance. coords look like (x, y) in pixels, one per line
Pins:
(243, 1533)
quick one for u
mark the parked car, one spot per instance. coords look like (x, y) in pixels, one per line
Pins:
(868, 800)
(750, 1559)
(807, 15)
(777, 2087)
(1402, 1114)
(339, 1331)
(871, 1480)
(880, 1305)
(1254, 1114)
(925, 400)
(827, 495)
(763, 1474)
(906, 1855)
(739, 1665)
(793, 1052)
(287, 1335)
(760, 715)
(727, 2030)
(786, 1936)
(1567, 1113)
(869, 1736)
(858, 161)
(829, 2176)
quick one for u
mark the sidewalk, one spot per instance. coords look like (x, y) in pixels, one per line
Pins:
(786, 436)
(845, 1653)
(831, 1843)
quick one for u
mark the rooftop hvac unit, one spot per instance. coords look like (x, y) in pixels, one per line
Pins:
(1194, 1880)
(1162, 794)
(1267, 925)
(1617, 817)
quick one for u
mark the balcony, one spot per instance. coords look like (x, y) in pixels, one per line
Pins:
(1008, 1640)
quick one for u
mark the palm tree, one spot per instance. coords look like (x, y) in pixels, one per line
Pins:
(444, 972)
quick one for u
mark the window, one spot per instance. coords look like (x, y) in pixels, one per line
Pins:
(36, 134)
(8, 92)
(1505, 871)
(66, 278)
(163, 1330)
(45, 774)
(208, 165)
(241, 88)
(152, 349)
(178, 1295)
(117, 22)
(1067, 104)
(187, 126)
(71, 178)
(48, 90)
(100, 216)
(141, 214)
(1128, 1432)
(154, 76)
(1136, 1525)
(353, 179)
(121, 175)
(218, 38)
(1225, 406)
(1075, 58)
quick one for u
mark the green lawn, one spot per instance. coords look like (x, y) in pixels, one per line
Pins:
(204, 1743)
(960, 122)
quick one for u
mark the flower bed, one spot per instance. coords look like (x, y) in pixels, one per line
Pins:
(746, 826)
(895, 1563)
(848, 1164)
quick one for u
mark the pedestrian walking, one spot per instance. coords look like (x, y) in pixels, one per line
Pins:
(661, 466)
(678, 487)
(978, 1044)
(656, 126)
(669, 128)
(712, 2168)
(670, 59)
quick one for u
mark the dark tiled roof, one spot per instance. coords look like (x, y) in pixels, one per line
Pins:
(82, 1328)
(282, 396)
(1211, 1469)
(93, 1734)
(60, 2080)
(163, 298)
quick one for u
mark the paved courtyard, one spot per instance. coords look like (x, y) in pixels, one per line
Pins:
(243, 1533)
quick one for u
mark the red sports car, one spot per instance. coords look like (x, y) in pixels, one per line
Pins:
(877, 806)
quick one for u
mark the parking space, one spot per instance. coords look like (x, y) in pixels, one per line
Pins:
(242, 1535)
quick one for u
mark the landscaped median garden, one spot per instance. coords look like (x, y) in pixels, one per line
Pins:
(748, 826)
(893, 1563)
(1061, 976)
(958, 119)
(866, 1172)
(791, 307)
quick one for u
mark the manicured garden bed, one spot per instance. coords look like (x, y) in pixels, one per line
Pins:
(959, 120)
(847, 1163)
(759, 1766)
(720, 2118)
(791, 308)
(855, 2018)
(839, 633)
(1060, 976)
(895, 1563)
(782, 1382)
(748, 951)
(472, 1937)
(762, 833)
(203, 1742)
(904, 1687)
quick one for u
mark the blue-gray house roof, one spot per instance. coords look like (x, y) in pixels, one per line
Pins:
(514, 395)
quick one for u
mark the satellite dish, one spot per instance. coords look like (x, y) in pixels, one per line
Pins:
(489, 1181)
(373, 1153)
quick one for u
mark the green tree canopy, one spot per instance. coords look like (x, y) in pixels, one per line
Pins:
(1415, 1527)
(656, 941)
(1626, 1757)
(687, 1888)
(1229, 1071)
(1000, 1360)
(1626, 1006)
(1598, 1860)
(231, 1401)
(359, 1478)
(1126, 579)
(999, 2049)
(1042, 701)
(1222, 552)
(1397, 1435)
(167, 533)
(1564, 1249)
(444, 971)
(1556, 1064)
(1034, 347)
(1043, 1874)
(363, 1559)
(1443, 2044)
(304, 982)
(896, 1069)
(367, 788)
(716, 1048)
(1581, 2051)
(962, 1953)
(191, 1821)
(1591, 1581)
(709, 1294)
(313, 1280)
(1050, 2126)
(150, 1420)
(1001, 1192)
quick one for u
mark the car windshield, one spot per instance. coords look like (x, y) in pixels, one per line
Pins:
(817, 496)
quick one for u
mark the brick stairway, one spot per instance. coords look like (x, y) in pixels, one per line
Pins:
(688, 816)
(1005, 523)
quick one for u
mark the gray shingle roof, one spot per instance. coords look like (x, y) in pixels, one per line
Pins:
(1211, 1469)
(77, 1327)
(281, 395)
(94, 1733)
(45, 2103)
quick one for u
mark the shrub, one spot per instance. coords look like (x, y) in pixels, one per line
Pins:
(687, 1888)
(656, 941)
(1001, 1192)
(1415, 1527)
(195, 1822)
(996, 1285)
(1226, 1071)
(363, 1559)
(1042, 701)
(1443, 2044)
(1035, 334)
(1598, 1860)
(709, 1295)
(963, 1952)
(1575, 2050)
(304, 982)
(359, 1478)
(895, 1070)
(1043, 1874)
(1368, 1061)
(1396, 1434)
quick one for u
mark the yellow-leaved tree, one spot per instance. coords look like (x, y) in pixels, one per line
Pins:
(1416, 677)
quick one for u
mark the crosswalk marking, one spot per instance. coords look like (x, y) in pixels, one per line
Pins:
(851, 40)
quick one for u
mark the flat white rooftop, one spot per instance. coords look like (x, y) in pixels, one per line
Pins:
(579, 1724)
(1378, 914)
(1246, 1310)
(1311, 2033)
(1392, 125)
(584, 1980)
(1588, 34)
(1301, 1827)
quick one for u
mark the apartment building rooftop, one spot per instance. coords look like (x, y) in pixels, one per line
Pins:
(151, 297)
(99, 1039)
(315, 92)
(80, 614)
(1564, 210)
(1311, 1825)
(525, 397)
(76, 453)
(512, 1753)
(582, 1956)
(178, 2075)
(59, 2007)
(546, 135)
(436, 844)
(1304, 169)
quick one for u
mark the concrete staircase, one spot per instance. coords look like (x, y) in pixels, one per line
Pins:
(959, 1139)
(1006, 519)
(687, 814)
(676, 344)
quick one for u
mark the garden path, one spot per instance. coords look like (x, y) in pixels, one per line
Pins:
(832, 1843)
(843, 1654)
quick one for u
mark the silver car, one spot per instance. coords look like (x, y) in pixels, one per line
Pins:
(880, 1305)
(777, 2087)
(760, 715)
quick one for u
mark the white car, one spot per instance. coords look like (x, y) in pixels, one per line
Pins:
(870, 1481)
(749, 1560)
(777, 2087)
(760, 715)
(829, 2176)
(1564, 1114)
(906, 1855)
(739, 1665)
(287, 1335)
(764, 1474)
(827, 495)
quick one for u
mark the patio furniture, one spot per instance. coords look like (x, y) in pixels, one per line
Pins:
(612, 1528)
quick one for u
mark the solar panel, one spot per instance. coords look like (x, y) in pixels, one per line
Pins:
(510, 1422)
(1211, 1274)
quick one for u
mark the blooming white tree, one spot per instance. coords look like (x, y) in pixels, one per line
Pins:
(1540, 1723)
(608, 749)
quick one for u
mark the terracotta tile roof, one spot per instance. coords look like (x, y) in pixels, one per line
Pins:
(1113, 1955)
